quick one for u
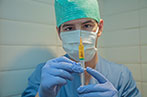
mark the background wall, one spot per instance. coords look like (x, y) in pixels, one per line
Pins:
(28, 37)
(124, 39)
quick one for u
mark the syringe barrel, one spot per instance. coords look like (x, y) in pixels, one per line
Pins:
(82, 74)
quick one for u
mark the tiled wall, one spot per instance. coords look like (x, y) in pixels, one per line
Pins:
(28, 37)
(124, 39)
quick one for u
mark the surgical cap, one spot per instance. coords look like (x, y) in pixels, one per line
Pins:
(66, 10)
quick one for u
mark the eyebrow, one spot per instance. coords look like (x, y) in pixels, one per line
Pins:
(82, 23)
(88, 22)
(67, 25)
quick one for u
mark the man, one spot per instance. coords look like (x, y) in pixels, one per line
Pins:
(60, 77)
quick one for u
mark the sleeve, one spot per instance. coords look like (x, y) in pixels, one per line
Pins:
(127, 85)
(33, 82)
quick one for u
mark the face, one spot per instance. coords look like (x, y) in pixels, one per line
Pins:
(81, 24)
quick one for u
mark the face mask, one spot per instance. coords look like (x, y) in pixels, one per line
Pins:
(71, 41)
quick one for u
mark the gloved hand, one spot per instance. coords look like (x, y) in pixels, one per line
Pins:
(55, 73)
(103, 89)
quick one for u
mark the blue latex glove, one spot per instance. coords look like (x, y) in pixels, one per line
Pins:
(103, 89)
(55, 73)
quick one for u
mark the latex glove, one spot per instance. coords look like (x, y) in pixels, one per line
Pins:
(103, 89)
(55, 73)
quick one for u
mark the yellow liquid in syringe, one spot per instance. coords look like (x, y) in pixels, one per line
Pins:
(81, 50)
(82, 61)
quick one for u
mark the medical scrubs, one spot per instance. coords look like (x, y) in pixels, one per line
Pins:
(117, 74)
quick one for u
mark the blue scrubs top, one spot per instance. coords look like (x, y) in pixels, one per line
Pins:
(117, 74)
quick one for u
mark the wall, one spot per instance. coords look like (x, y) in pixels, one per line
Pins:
(124, 37)
(28, 37)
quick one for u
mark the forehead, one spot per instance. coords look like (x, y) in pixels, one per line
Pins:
(79, 21)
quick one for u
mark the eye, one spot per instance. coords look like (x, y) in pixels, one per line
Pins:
(68, 28)
(87, 26)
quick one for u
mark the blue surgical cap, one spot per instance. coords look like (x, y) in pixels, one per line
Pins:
(67, 10)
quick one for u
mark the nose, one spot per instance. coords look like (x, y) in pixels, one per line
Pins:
(78, 27)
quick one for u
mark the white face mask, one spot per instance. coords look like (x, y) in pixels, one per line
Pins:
(71, 41)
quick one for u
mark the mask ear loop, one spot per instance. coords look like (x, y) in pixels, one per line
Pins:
(97, 30)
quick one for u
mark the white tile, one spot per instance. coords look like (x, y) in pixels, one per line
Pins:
(19, 57)
(143, 15)
(27, 33)
(27, 11)
(143, 32)
(144, 54)
(139, 86)
(59, 41)
(100, 41)
(13, 82)
(122, 55)
(60, 51)
(142, 3)
(101, 7)
(51, 2)
(128, 37)
(100, 51)
(119, 6)
(17, 95)
(144, 89)
(144, 72)
(121, 21)
(136, 71)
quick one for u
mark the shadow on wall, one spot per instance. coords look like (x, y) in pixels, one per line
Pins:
(29, 58)
(14, 81)
(34, 56)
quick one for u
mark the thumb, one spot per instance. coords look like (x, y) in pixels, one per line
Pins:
(97, 75)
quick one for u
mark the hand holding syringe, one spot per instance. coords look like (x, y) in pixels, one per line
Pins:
(82, 61)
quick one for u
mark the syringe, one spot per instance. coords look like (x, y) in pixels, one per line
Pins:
(82, 61)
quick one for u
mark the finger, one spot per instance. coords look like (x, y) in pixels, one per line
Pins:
(63, 59)
(62, 65)
(68, 67)
(97, 75)
(60, 73)
(60, 81)
(77, 68)
(99, 94)
(92, 88)
(47, 81)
